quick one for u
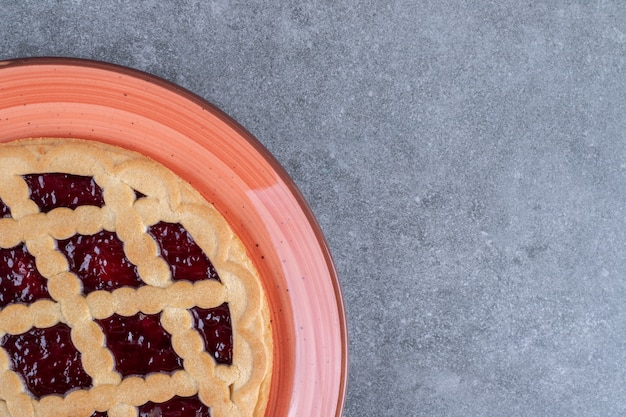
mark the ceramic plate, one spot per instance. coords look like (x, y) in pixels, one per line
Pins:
(91, 100)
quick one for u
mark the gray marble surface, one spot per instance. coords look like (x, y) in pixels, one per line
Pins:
(466, 161)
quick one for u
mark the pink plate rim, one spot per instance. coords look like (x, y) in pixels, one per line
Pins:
(263, 153)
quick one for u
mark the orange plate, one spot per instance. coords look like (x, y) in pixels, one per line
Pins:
(59, 97)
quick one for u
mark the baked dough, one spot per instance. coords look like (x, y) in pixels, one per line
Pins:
(138, 192)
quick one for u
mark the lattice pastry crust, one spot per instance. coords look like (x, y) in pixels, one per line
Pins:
(240, 389)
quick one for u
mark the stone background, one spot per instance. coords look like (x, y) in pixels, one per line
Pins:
(466, 161)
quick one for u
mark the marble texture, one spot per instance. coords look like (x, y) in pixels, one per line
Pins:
(466, 161)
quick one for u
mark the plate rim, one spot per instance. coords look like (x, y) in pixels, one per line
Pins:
(258, 147)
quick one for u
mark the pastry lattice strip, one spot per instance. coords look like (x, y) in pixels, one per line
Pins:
(165, 200)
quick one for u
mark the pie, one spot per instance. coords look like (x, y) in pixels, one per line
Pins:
(123, 292)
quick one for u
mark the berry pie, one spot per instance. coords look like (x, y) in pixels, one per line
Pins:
(123, 293)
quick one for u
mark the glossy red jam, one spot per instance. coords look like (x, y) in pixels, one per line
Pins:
(54, 190)
(99, 262)
(4, 210)
(47, 360)
(186, 259)
(215, 327)
(139, 344)
(176, 407)
(20, 282)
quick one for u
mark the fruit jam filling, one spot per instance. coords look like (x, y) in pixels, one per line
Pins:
(175, 407)
(53, 190)
(47, 360)
(99, 262)
(20, 281)
(215, 327)
(4, 210)
(139, 344)
(186, 259)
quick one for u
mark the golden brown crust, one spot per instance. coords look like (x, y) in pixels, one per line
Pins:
(240, 389)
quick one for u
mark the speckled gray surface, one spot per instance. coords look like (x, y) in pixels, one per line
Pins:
(466, 161)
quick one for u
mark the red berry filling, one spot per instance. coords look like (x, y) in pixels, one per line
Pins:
(47, 360)
(186, 259)
(99, 262)
(139, 344)
(215, 327)
(53, 190)
(20, 282)
(4, 210)
(176, 407)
